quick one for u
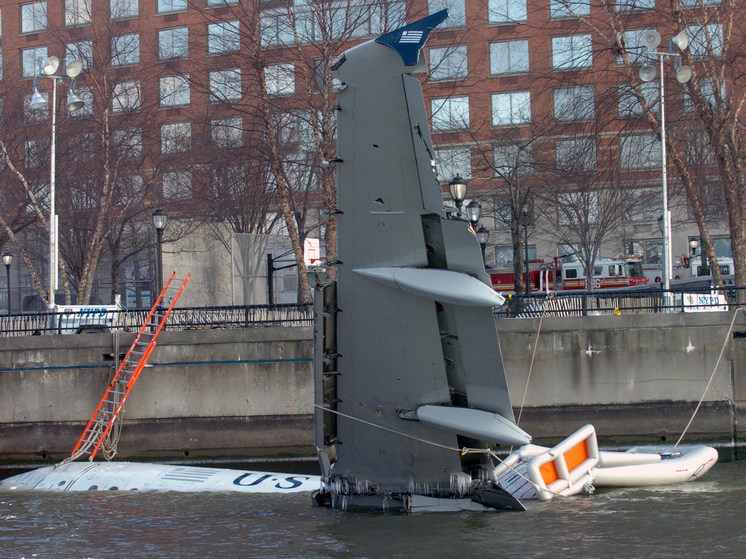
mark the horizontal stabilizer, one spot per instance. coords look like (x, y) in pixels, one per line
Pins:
(445, 286)
(478, 424)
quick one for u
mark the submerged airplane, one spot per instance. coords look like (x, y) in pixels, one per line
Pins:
(410, 389)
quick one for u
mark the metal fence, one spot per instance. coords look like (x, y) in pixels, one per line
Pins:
(592, 303)
(197, 318)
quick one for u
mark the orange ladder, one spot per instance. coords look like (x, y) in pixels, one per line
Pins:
(132, 365)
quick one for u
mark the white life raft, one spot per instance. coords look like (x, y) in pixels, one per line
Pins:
(576, 465)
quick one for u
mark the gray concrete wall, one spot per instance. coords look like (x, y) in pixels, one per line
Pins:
(207, 392)
(637, 378)
(240, 392)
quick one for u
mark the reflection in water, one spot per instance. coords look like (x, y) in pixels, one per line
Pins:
(691, 520)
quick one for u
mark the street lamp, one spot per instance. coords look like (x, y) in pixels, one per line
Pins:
(457, 188)
(160, 218)
(651, 40)
(474, 212)
(8, 260)
(483, 236)
(693, 244)
(71, 70)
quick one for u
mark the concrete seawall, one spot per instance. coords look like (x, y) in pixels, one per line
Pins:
(219, 393)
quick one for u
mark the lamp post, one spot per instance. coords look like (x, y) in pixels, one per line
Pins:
(8, 260)
(483, 236)
(160, 219)
(71, 70)
(652, 39)
(457, 188)
(693, 244)
(526, 217)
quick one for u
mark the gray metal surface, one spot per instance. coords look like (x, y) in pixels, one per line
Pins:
(406, 339)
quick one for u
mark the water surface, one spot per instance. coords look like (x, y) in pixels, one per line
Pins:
(705, 518)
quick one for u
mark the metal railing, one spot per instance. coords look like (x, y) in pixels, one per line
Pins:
(192, 318)
(593, 303)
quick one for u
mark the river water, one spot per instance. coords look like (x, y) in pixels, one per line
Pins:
(705, 518)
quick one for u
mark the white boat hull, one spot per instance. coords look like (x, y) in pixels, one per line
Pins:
(128, 476)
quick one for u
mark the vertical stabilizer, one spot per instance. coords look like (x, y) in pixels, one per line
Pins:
(409, 322)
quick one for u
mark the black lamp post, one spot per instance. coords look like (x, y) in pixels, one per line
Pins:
(693, 244)
(526, 218)
(483, 236)
(457, 188)
(159, 222)
(8, 260)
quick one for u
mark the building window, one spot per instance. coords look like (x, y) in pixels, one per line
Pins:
(223, 37)
(173, 43)
(213, 3)
(573, 103)
(456, 12)
(86, 95)
(629, 105)
(639, 151)
(177, 185)
(174, 91)
(504, 254)
(634, 5)
(165, 6)
(636, 51)
(449, 114)
(77, 12)
(453, 161)
(227, 132)
(448, 63)
(176, 137)
(509, 160)
(35, 153)
(295, 128)
(506, 11)
(572, 51)
(225, 85)
(279, 79)
(81, 50)
(511, 108)
(509, 57)
(128, 142)
(32, 58)
(35, 115)
(319, 71)
(705, 41)
(33, 17)
(569, 8)
(277, 31)
(125, 50)
(123, 9)
(577, 207)
(576, 155)
(708, 92)
(126, 96)
(698, 3)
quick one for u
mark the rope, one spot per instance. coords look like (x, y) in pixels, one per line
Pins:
(388, 429)
(712, 376)
(533, 356)
(462, 451)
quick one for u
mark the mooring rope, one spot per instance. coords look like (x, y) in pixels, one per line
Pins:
(533, 356)
(712, 376)
(462, 451)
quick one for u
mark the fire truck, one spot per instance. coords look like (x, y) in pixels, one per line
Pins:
(607, 274)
